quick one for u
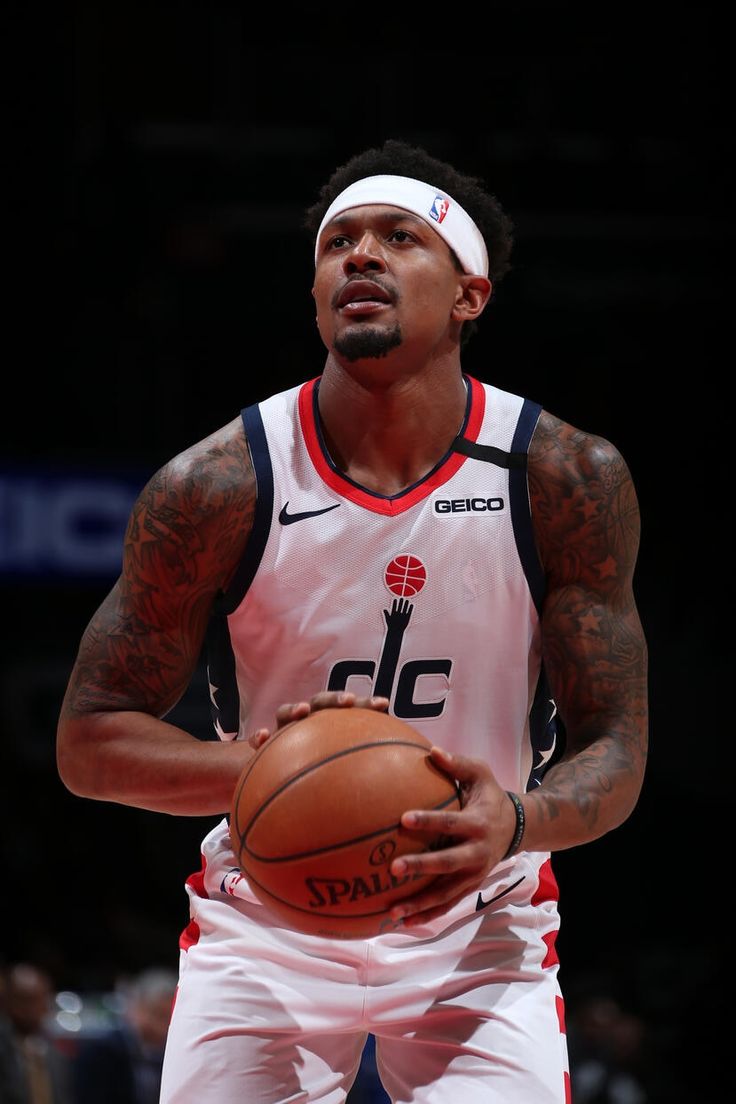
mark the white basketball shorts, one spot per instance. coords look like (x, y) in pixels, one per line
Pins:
(470, 1013)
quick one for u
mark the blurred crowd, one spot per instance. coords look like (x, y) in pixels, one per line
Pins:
(62, 1047)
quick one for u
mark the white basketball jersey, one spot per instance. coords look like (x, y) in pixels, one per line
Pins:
(429, 597)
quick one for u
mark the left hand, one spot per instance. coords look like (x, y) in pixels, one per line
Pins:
(481, 832)
(325, 699)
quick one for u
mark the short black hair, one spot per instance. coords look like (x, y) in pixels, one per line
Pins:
(397, 158)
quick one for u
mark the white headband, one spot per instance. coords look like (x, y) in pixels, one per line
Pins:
(439, 210)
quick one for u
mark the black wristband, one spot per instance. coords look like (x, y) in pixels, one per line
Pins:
(520, 825)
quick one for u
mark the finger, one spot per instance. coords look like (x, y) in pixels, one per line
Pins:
(258, 738)
(345, 699)
(326, 699)
(445, 860)
(436, 901)
(379, 704)
(332, 699)
(285, 714)
(442, 822)
(442, 758)
(461, 767)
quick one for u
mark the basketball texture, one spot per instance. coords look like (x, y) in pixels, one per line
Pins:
(315, 819)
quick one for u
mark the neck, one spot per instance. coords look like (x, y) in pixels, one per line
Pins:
(388, 433)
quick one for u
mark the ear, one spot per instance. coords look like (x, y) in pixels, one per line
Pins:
(473, 294)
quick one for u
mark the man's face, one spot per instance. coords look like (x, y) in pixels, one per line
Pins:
(384, 278)
(29, 999)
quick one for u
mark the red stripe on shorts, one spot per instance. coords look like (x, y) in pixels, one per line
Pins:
(560, 1004)
(547, 889)
(190, 935)
(550, 959)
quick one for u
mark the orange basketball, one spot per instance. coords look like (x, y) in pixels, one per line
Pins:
(315, 819)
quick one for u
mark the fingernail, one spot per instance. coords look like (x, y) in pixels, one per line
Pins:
(398, 868)
(410, 820)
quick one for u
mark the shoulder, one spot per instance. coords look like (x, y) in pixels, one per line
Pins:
(582, 498)
(217, 463)
(208, 476)
(560, 451)
(569, 464)
(201, 502)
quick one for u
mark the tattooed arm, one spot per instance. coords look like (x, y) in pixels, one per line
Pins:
(185, 537)
(586, 521)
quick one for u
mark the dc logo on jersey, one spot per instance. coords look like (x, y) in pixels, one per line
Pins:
(440, 207)
(404, 576)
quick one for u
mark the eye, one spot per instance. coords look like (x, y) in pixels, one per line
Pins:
(400, 235)
(338, 242)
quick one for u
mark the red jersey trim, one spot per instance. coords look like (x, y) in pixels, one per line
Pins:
(382, 504)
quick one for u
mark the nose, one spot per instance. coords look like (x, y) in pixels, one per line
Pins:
(365, 256)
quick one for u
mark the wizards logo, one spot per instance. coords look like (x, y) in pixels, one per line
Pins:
(404, 577)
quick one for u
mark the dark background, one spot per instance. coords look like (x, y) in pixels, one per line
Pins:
(159, 280)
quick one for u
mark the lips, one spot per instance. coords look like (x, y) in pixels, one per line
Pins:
(362, 291)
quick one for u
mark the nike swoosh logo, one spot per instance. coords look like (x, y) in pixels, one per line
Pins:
(288, 519)
(481, 904)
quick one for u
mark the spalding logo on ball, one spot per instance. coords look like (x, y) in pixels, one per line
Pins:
(315, 819)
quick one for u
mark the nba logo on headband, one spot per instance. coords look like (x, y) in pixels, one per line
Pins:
(440, 207)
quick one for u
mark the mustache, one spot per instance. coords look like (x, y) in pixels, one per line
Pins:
(359, 279)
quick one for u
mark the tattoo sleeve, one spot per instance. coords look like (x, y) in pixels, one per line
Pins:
(184, 539)
(586, 521)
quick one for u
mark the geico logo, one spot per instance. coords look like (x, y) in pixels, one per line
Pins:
(467, 505)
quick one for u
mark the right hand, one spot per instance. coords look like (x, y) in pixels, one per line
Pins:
(326, 699)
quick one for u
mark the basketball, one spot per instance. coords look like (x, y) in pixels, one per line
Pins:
(315, 819)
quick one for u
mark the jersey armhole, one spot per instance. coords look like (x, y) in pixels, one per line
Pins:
(521, 515)
(255, 434)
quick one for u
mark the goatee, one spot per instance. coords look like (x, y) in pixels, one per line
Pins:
(365, 342)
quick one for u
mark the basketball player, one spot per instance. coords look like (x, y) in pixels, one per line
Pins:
(393, 533)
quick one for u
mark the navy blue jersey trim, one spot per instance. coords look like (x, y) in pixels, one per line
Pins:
(520, 512)
(489, 453)
(543, 730)
(258, 445)
(222, 678)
